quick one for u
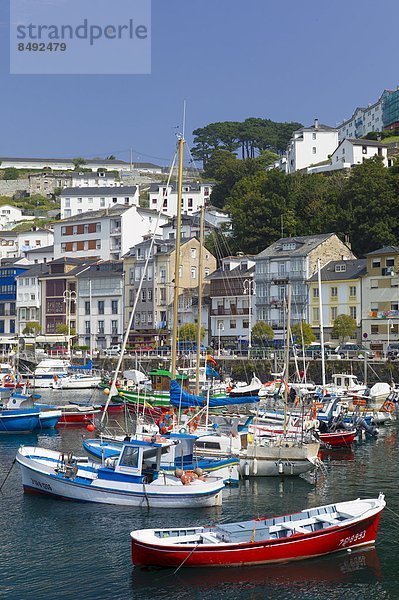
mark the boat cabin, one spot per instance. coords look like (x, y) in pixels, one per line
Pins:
(139, 460)
(346, 381)
(160, 380)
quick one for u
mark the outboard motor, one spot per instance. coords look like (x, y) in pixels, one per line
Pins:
(361, 425)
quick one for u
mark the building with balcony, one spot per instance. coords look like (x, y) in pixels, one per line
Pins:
(79, 200)
(99, 306)
(107, 233)
(310, 146)
(380, 298)
(341, 294)
(29, 296)
(214, 218)
(194, 196)
(58, 296)
(232, 302)
(292, 260)
(154, 312)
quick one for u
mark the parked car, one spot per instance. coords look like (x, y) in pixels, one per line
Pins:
(314, 351)
(113, 350)
(353, 351)
(58, 351)
(393, 350)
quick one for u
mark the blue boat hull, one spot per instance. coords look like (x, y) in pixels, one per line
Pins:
(18, 421)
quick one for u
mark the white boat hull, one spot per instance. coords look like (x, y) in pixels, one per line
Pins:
(85, 383)
(39, 475)
(274, 460)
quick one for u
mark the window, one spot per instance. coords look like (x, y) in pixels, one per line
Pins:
(193, 272)
(100, 305)
(233, 324)
(143, 295)
(334, 292)
(313, 136)
(334, 313)
(389, 262)
(364, 149)
(193, 252)
(352, 312)
(150, 317)
(102, 202)
(374, 329)
(374, 283)
(340, 268)
(207, 271)
(149, 295)
(114, 327)
(314, 149)
(189, 203)
(33, 296)
(101, 327)
(90, 200)
(316, 314)
(245, 324)
(87, 308)
(394, 306)
(87, 327)
(79, 200)
(352, 291)
(163, 294)
(114, 307)
(376, 264)
(315, 292)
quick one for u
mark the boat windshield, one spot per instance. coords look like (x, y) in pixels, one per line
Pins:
(130, 457)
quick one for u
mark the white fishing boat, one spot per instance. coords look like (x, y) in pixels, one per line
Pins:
(78, 381)
(131, 479)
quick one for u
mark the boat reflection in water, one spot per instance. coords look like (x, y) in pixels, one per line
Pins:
(359, 566)
(338, 454)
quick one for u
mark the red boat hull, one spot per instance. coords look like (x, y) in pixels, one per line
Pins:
(340, 439)
(78, 418)
(297, 547)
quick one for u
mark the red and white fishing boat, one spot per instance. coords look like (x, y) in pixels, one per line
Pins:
(74, 414)
(312, 532)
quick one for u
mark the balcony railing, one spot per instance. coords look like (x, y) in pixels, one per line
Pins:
(221, 310)
(115, 230)
(383, 314)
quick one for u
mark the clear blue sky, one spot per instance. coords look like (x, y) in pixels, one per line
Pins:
(230, 59)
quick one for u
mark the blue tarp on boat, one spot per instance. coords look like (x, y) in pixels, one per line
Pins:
(181, 398)
(87, 367)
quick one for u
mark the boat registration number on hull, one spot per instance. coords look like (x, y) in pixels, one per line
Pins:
(43, 486)
(352, 538)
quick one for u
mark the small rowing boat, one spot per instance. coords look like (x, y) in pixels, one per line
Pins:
(310, 533)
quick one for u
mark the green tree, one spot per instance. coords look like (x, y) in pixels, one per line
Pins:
(78, 162)
(188, 332)
(262, 332)
(10, 173)
(62, 329)
(344, 326)
(303, 331)
(31, 328)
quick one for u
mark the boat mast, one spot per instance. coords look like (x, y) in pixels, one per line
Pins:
(287, 355)
(200, 292)
(177, 258)
(323, 365)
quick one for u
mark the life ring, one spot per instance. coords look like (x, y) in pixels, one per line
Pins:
(388, 406)
(228, 389)
(170, 420)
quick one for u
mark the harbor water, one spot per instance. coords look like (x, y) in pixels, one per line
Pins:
(58, 549)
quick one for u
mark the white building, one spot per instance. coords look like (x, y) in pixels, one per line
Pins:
(194, 196)
(99, 311)
(43, 254)
(214, 218)
(63, 164)
(10, 214)
(16, 243)
(310, 145)
(352, 152)
(28, 296)
(90, 179)
(79, 200)
(107, 234)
